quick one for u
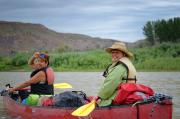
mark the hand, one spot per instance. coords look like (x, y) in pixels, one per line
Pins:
(11, 90)
(98, 100)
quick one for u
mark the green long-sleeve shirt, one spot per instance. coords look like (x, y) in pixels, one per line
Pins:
(108, 89)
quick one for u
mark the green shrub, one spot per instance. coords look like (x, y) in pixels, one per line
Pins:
(163, 57)
(19, 59)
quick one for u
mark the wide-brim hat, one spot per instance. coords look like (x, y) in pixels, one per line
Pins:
(121, 47)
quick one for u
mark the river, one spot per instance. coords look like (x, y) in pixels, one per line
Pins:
(89, 82)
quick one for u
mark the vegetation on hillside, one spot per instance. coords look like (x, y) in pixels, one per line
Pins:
(162, 57)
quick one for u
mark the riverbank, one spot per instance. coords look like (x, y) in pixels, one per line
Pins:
(163, 57)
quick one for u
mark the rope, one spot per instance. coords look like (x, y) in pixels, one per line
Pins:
(157, 98)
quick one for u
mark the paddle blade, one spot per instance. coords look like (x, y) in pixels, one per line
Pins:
(85, 109)
(3, 92)
(62, 85)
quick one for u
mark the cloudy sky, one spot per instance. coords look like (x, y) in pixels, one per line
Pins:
(116, 19)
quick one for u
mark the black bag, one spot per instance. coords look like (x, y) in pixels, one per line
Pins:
(23, 94)
(69, 99)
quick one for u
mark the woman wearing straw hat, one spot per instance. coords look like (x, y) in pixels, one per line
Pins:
(41, 79)
(120, 71)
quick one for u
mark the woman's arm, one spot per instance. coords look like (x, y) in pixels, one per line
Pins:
(40, 76)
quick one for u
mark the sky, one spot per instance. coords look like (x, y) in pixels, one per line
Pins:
(113, 19)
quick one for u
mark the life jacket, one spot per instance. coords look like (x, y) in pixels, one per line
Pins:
(131, 71)
(129, 93)
(46, 87)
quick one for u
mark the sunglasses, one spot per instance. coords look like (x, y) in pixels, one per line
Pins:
(43, 56)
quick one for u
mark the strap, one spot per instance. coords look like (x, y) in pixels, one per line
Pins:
(130, 79)
(44, 69)
(106, 70)
(127, 69)
(119, 62)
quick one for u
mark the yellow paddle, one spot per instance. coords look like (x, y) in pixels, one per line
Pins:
(62, 85)
(85, 110)
(57, 85)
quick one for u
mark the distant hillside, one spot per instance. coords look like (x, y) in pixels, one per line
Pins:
(138, 44)
(27, 37)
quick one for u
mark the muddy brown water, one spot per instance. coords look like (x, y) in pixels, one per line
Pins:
(89, 82)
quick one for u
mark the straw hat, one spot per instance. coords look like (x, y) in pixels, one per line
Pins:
(120, 46)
